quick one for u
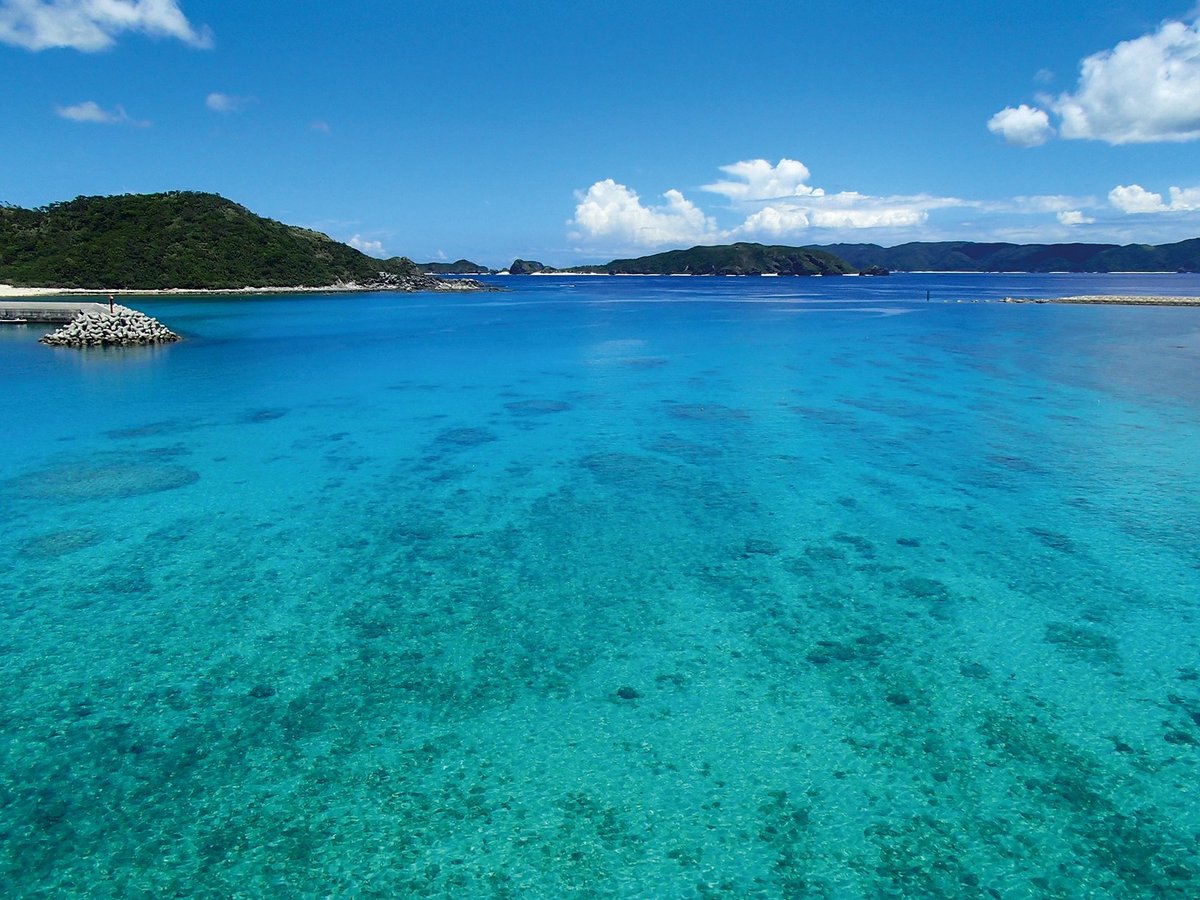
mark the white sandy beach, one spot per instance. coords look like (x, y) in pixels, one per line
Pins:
(7, 291)
(10, 292)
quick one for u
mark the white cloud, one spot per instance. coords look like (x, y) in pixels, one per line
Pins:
(1134, 199)
(226, 103)
(776, 203)
(371, 248)
(875, 215)
(772, 200)
(1074, 217)
(90, 111)
(1022, 126)
(759, 180)
(1145, 90)
(846, 211)
(792, 206)
(611, 211)
(91, 25)
(1141, 91)
(1044, 203)
(1185, 199)
(320, 125)
(775, 221)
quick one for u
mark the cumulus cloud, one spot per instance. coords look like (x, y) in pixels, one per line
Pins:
(371, 248)
(1141, 91)
(1074, 217)
(1144, 90)
(90, 111)
(1133, 199)
(226, 103)
(757, 179)
(613, 212)
(1022, 126)
(92, 25)
(772, 201)
(758, 200)
(778, 201)
(845, 211)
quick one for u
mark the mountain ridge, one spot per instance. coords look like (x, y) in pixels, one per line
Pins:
(974, 256)
(741, 258)
(916, 256)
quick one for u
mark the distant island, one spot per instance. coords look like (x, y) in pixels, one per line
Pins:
(967, 256)
(734, 259)
(728, 259)
(185, 240)
(458, 267)
(872, 259)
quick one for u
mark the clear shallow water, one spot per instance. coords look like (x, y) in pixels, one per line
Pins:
(609, 587)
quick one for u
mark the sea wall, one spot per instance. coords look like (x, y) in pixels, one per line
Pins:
(1111, 300)
(39, 311)
(123, 327)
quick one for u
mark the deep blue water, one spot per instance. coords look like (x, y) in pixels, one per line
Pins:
(625, 587)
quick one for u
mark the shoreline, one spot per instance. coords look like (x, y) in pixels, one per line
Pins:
(1110, 300)
(11, 292)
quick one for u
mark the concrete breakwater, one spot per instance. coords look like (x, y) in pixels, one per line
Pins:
(1117, 300)
(122, 327)
(54, 312)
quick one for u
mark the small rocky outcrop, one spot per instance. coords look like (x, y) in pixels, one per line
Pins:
(123, 327)
(527, 267)
(388, 281)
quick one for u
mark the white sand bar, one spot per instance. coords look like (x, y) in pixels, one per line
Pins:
(1131, 300)
(1134, 301)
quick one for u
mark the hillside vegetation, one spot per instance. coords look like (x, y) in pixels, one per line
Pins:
(458, 267)
(180, 239)
(966, 256)
(729, 259)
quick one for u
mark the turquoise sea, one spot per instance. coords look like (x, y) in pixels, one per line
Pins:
(609, 587)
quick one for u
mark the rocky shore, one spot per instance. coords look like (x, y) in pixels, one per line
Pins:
(387, 281)
(383, 281)
(123, 327)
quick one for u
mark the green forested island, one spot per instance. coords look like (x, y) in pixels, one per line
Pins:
(967, 256)
(180, 239)
(947, 256)
(732, 259)
(458, 267)
(728, 259)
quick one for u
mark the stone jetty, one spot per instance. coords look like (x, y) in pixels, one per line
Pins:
(36, 310)
(1110, 299)
(123, 327)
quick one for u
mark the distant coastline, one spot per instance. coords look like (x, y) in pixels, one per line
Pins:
(10, 293)
(1111, 300)
(447, 285)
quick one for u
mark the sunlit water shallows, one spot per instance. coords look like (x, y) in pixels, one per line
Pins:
(609, 587)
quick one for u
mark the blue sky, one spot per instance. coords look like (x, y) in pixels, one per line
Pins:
(582, 131)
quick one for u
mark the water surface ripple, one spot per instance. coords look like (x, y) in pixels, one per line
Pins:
(609, 588)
